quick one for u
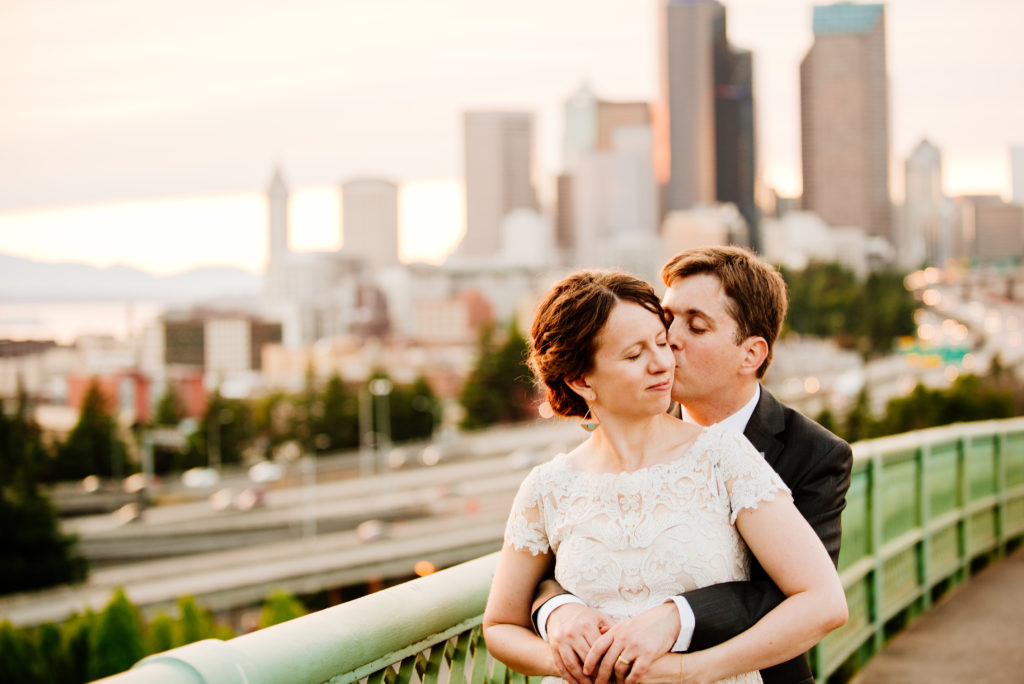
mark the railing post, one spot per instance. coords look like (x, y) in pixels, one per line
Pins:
(924, 569)
(877, 542)
(963, 498)
(1000, 467)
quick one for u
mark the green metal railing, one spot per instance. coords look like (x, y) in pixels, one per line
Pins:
(923, 509)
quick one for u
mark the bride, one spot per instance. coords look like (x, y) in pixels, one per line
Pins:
(648, 506)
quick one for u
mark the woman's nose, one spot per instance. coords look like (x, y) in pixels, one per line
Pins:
(664, 359)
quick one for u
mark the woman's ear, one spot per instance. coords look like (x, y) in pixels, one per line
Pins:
(581, 387)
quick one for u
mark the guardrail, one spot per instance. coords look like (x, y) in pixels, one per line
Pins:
(924, 509)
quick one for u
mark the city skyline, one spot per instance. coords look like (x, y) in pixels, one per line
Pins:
(115, 104)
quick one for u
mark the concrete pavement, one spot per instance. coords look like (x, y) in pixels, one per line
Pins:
(975, 634)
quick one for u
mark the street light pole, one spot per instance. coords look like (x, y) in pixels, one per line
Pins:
(380, 388)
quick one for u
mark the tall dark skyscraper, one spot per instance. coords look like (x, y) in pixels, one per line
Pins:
(704, 120)
(844, 106)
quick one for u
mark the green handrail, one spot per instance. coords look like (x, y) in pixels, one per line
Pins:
(923, 508)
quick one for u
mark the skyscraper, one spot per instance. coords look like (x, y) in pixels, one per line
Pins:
(844, 106)
(704, 120)
(369, 219)
(277, 234)
(499, 160)
(1017, 174)
(923, 237)
(607, 187)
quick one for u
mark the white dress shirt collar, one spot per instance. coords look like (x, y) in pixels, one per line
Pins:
(737, 421)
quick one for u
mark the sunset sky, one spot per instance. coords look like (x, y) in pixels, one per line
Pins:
(145, 132)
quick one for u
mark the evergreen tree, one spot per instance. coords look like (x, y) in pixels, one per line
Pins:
(335, 415)
(499, 388)
(888, 309)
(22, 453)
(414, 411)
(827, 300)
(272, 420)
(93, 447)
(169, 408)
(16, 655)
(969, 398)
(197, 623)
(224, 432)
(160, 635)
(54, 660)
(77, 631)
(860, 422)
(117, 642)
(37, 554)
(280, 607)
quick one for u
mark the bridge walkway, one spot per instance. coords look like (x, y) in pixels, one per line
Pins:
(974, 634)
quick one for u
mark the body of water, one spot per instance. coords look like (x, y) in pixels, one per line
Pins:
(65, 321)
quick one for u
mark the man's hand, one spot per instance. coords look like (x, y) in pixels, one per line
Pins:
(572, 630)
(627, 649)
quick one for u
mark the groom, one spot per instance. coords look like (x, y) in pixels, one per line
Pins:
(726, 309)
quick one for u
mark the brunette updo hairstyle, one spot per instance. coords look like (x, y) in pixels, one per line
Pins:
(565, 329)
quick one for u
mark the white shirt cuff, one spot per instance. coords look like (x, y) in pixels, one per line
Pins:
(554, 602)
(687, 621)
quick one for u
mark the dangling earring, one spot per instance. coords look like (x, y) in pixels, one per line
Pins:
(588, 423)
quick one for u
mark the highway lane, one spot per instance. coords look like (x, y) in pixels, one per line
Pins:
(466, 504)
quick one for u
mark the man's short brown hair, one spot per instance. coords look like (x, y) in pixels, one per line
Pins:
(755, 291)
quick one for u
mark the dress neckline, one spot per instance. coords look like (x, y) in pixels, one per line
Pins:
(562, 459)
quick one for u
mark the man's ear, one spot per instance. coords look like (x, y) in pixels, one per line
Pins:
(581, 387)
(755, 351)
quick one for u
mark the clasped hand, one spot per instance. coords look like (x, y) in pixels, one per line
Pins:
(590, 648)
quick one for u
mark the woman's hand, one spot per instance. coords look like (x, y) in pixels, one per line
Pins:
(628, 649)
(572, 630)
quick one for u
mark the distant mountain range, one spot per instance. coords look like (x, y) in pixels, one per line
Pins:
(28, 280)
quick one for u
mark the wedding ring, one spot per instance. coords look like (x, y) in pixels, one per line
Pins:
(627, 663)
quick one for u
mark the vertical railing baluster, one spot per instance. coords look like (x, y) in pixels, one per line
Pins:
(876, 496)
(459, 656)
(963, 499)
(407, 669)
(1000, 485)
(378, 677)
(480, 674)
(433, 663)
(924, 569)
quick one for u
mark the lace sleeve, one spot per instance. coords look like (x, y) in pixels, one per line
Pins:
(747, 477)
(525, 528)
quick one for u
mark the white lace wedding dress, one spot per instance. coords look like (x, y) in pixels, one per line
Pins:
(625, 542)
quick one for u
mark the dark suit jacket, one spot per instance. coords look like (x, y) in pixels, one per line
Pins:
(815, 465)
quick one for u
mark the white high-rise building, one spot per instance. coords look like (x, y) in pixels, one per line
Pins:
(615, 195)
(369, 219)
(278, 251)
(580, 134)
(608, 195)
(498, 175)
(924, 234)
(1017, 173)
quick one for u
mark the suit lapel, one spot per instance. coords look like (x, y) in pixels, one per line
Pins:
(765, 423)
